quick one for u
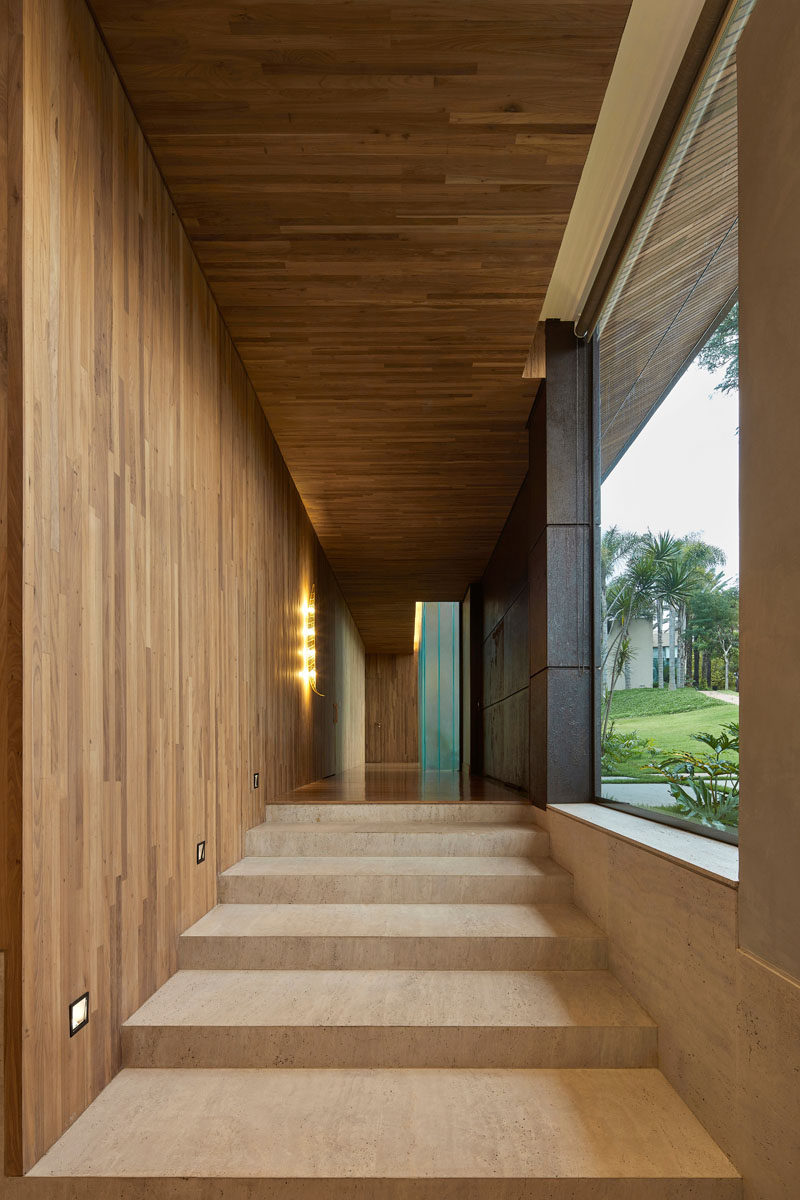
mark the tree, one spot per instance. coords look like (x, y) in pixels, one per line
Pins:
(675, 583)
(722, 350)
(671, 589)
(715, 622)
(615, 547)
(703, 561)
(633, 593)
(630, 595)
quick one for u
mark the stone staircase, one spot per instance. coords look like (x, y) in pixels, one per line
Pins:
(392, 1000)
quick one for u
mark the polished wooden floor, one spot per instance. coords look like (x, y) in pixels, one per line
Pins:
(379, 783)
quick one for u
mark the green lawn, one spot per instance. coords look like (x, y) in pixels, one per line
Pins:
(641, 702)
(667, 718)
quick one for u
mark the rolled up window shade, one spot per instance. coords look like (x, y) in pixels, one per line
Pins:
(678, 274)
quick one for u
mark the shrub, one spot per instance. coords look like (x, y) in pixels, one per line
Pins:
(705, 787)
(619, 747)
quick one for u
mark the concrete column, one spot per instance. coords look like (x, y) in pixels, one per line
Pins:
(561, 556)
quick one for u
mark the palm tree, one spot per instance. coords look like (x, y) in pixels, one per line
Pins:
(634, 593)
(675, 585)
(704, 561)
(670, 581)
(616, 545)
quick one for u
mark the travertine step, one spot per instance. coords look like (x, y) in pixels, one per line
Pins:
(405, 880)
(387, 838)
(407, 936)
(390, 1019)
(459, 812)
(542, 1135)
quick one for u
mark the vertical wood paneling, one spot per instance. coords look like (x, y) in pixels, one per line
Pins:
(166, 558)
(392, 711)
(11, 507)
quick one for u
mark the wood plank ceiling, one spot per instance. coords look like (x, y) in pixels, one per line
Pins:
(377, 193)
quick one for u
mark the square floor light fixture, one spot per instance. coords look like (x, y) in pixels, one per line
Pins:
(201, 853)
(78, 1014)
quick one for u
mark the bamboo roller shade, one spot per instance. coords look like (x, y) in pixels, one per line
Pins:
(678, 274)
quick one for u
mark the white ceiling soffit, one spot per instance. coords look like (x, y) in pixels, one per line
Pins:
(650, 53)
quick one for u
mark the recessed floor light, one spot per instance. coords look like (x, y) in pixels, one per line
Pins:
(201, 853)
(78, 1014)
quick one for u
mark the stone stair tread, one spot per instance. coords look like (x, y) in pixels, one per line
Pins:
(395, 865)
(346, 1124)
(542, 920)
(485, 999)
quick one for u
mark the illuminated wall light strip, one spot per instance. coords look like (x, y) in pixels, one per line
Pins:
(309, 651)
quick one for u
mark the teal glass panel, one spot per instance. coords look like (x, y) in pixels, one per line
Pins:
(439, 688)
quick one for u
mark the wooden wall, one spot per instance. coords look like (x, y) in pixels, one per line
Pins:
(505, 651)
(769, 259)
(392, 713)
(166, 556)
(11, 516)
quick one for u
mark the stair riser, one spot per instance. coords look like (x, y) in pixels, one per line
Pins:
(172, 1188)
(371, 814)
(391, 953)
(344, 842)
(388, 1046)
(392, 889)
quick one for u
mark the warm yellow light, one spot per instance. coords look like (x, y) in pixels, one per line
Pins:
(308, 652)
(417, 625)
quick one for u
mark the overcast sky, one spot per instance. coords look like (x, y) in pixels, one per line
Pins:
(682, 472)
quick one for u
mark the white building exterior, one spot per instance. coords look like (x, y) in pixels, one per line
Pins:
(640, 671)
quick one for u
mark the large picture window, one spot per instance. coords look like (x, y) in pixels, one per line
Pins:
(668, 712)
(669, 720)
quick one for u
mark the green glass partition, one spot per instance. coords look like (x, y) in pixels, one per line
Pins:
(439, 704)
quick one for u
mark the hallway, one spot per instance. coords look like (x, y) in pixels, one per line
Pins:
(323, 327)
(395, 987)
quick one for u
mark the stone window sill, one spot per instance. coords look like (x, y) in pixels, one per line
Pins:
(717, 860)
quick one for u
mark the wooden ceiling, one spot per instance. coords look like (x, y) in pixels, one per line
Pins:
(377, 193)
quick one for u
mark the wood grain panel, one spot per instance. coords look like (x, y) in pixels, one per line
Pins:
(11, 519)
(377, 194)
(392, 708)
(166, 557)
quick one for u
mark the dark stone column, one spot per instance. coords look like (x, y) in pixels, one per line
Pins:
(563, 536)
(472, 652)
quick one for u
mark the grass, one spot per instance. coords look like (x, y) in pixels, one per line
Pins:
(668, 719)
(641, 702)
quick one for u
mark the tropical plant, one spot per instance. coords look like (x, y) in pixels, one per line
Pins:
(705, 787)
(619, 747)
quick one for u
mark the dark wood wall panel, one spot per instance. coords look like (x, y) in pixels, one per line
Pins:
(166, 557)
(392, 708)
(506, 664)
